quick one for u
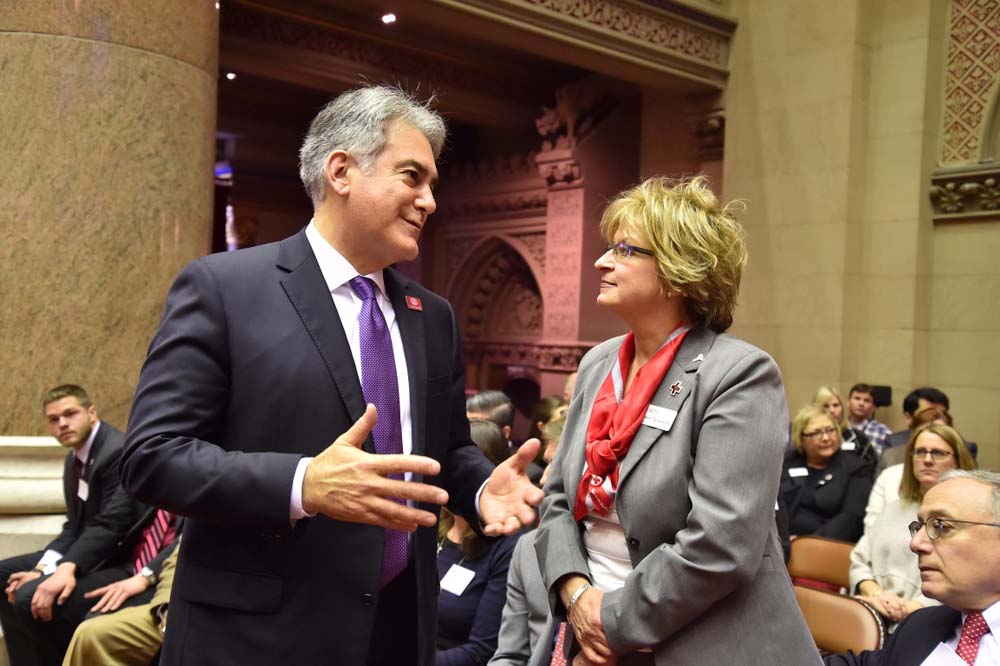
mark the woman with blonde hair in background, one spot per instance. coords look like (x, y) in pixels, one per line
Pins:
(824, 488)
(828, 399)
(883, 569)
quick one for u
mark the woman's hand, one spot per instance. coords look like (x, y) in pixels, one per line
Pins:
(585, 618)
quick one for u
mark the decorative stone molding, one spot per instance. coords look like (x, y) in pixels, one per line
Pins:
(967, 193)
(654, 29)
(535, 244)
(497, 202)
(31, 480)
(971, 70)
(493, 186)
(504, 299)
(541, 356)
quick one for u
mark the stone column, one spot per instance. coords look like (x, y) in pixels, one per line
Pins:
(106, 159)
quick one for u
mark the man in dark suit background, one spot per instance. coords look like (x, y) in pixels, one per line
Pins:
(957, 541)
(44, 591)
(298, 550)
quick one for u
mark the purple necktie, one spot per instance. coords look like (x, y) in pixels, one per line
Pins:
(378, 383)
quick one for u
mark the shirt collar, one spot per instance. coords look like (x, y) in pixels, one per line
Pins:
(84, 452)
(336, 269)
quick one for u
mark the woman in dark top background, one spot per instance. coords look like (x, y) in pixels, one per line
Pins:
(824, 489)
(473, 574)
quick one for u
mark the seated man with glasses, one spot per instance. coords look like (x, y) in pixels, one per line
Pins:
(957, 544)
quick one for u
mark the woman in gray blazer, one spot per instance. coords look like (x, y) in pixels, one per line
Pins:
(658, 542)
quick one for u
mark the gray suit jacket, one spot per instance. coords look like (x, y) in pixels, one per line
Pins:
(526, 613)
(696, 504)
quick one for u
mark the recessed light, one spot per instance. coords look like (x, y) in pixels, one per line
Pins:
(388, 18)
(231, 75)
(216, 5)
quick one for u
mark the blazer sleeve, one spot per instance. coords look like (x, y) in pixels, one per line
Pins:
(847, 524)
(172, 457)
(116, 512)
(734, 481)
(482, 641)
(558, 542)
(514, 639)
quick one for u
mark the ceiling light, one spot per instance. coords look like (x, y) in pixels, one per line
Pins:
(231, 75)
(388, 18)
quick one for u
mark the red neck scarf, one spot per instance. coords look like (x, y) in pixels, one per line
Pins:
(613, 424)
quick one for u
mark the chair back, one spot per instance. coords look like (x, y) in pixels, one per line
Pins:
(822, 559)
(839, 623)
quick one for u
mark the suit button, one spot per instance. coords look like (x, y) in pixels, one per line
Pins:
(368, 599)
(633, 543)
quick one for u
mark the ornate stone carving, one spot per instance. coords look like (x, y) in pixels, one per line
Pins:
(966, 194)
(505, 293)
(497, 202)
(654, 29)
(541, 356)
(580, 106)
(973, 64)
(535, 244)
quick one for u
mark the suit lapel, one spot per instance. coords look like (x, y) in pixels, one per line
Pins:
(411, 330)
(672, 393)
(306, 289)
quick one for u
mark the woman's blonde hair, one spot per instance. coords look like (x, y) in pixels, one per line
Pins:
(909, 488)
(699, 247)
(802, 419)
(823, 395)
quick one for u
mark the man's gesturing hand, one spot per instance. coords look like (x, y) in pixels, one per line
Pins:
(346, 483)
(507, 500)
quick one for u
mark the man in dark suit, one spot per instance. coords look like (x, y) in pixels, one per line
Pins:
(44, 591)
(957, 541)
(297, 550)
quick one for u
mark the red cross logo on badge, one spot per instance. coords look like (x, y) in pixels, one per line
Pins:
(596, 480)
(675, 388)
(414, 303)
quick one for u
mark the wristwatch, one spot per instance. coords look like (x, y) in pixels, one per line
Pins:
(150, 576)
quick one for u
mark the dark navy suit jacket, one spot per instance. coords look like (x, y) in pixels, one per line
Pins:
(249, 371)
(913, 641)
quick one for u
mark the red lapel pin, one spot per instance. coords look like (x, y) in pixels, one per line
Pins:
(414, 303)
(675, 388)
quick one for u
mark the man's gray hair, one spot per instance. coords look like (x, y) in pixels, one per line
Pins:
(356, 122)
(983, 476)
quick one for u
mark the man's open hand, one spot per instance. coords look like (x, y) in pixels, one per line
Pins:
(53, 590)
(347, 483)
(506, 502)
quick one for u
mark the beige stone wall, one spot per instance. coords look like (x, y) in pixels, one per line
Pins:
(833, 128)
(106, 154)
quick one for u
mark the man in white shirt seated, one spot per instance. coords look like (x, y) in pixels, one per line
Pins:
(957, 542)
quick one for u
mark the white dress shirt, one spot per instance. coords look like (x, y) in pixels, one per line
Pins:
(989, 645)
(337, 272)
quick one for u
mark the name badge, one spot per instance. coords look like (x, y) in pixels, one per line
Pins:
(457, 579)
(660, 417)
(848, 446)
(83, 490)
(798, 471)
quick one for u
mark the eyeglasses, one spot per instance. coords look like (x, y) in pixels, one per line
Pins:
(938, 527)
(937, 454)
(625, 251)
(829, 432)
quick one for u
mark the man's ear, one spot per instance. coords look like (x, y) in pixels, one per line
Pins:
(338, 163)
(506, 432)
(910, 421)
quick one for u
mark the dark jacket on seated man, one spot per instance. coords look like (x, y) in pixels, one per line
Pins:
(827, 502)
(913, 641)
